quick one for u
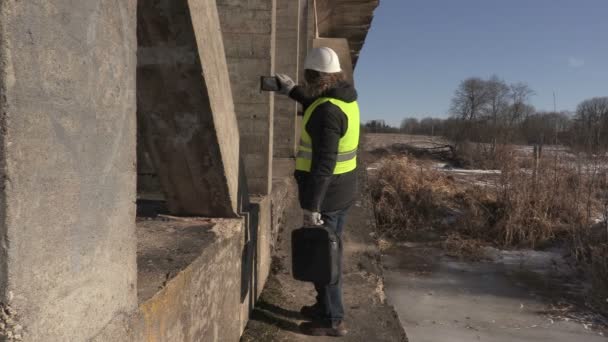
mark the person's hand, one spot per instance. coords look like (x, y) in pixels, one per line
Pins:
(286, 84)
(312, 218)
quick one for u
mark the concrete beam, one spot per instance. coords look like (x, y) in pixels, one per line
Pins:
(185, 107)
(249, 28)
(348, 19)
(312, 28)
(67, 164)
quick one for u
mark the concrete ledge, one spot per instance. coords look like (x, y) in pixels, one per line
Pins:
(200, 300)
(210, 273)
(167, 247)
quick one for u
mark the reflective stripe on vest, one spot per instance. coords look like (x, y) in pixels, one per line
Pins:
(348, 144)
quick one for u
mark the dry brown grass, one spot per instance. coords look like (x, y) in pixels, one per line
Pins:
(556, 200)
(591, 250)
(538, 205)
(409, 197)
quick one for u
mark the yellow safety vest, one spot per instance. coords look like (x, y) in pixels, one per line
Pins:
(347, 148)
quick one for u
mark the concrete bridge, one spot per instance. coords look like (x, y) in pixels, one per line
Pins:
(112, 106)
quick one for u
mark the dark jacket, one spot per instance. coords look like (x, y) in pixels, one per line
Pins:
(319, 189)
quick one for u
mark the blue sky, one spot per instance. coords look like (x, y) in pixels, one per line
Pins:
(418, 51)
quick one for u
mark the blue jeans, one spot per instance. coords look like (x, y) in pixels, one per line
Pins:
(330, 296)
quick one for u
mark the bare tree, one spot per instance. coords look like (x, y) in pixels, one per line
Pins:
(498, 101)
(431, 126)
(409, 125)
(544, 127)
(469, 99)
(498, 98)
(520, 94)
(592, 124)
(379, 126)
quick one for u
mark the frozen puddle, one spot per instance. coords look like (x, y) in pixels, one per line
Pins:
(447, 168)
(440, 300)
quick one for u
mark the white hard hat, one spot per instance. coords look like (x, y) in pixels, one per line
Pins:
(323, 59)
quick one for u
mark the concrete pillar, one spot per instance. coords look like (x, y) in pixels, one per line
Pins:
(287, 62)
(248, 28)
(185, 107)
(67, 164)
(340, 45)
(311, 25)
(302, 38)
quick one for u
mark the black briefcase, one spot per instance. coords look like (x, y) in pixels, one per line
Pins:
(315, 255)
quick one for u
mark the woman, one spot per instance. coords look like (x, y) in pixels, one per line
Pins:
(326, 167)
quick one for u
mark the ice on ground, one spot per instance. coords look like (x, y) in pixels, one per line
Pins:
(447, 168)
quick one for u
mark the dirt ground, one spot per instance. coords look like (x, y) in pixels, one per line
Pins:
(368, 316)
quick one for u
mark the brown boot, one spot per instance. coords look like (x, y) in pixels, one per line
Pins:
(324, 328)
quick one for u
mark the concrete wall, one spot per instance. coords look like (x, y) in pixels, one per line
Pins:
(185, 108)
(248, 29)
(67, 109)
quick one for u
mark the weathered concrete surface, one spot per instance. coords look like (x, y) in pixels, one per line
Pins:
(303, 36)
(248, 28)
(255, 256)
(350, 19)
(266, 218)
(282, 197)
(67, 118)
(287, 62)
(185, 106)
(203, 275)
(148, 183)
(312, 29)
(368, 317)
(340, 46)
(166, 247)
(200, 302)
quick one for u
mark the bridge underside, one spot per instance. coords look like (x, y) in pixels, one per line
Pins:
(144, 173)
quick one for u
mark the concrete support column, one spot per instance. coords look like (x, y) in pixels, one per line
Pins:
(287, 62)
(248, 28)
(311, 25)
(67, 165)
(303, 38)
(185, 107)
(304, 46)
